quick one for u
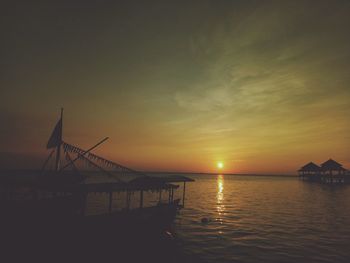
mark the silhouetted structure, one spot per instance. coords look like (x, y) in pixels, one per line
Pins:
(329, 172)
(60, 195)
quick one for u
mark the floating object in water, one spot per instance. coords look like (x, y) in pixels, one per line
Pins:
(167, 236)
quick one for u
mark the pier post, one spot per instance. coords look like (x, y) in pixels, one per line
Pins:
(183, 195)
(160, 195)
(127, 200)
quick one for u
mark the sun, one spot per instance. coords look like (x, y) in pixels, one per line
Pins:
(220, 165)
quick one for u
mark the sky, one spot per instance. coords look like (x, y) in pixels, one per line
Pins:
(261, 86)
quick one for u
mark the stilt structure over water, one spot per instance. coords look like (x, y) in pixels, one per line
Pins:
(330, 172)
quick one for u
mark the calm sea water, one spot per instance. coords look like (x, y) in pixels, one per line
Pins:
(264, 219)
(254, 219)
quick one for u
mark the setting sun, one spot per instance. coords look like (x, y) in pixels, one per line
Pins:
(220, 165)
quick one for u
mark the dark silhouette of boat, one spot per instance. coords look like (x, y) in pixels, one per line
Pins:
(51, 204)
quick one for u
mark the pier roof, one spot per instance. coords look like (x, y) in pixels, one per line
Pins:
(331, 165)
(310, 167)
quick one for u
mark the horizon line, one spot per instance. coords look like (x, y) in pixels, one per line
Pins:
(175, 172)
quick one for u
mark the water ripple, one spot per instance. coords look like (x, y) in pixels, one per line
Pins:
(264, 219)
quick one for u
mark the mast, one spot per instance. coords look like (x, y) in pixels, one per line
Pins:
(58, 149)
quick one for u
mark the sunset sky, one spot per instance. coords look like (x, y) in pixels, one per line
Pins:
(261, 86)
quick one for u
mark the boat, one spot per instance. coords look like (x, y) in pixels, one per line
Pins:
(54, 201)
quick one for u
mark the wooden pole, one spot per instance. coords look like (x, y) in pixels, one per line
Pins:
(128, 199)
(183, 195)
(79, 155)
(331, 176)
(160, 195)
(47, 160)
(58, 149)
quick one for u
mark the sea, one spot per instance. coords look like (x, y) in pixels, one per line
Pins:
(240, 218)
(261, 218)
(249, 219)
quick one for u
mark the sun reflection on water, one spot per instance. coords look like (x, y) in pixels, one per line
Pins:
(220, 196)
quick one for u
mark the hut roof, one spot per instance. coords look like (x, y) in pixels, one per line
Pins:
(310, 167)
(331, 165)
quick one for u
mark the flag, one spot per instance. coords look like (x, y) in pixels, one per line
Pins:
(56, 136)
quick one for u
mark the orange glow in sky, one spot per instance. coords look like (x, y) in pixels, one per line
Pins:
(257, 88)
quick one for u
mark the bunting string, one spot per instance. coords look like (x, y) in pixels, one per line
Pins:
(100, 160)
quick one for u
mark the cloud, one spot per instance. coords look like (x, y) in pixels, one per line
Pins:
(270, 58)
